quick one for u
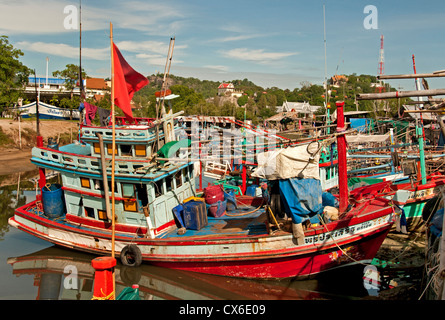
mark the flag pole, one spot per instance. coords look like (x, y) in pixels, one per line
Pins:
(113, 149)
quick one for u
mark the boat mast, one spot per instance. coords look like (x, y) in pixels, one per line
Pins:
(420, 132)
(342, 161)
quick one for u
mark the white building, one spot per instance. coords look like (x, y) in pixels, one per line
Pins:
(228, 89)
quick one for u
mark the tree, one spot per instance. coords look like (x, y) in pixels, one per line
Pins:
(13, 74)
(71, 76)
(242, 100)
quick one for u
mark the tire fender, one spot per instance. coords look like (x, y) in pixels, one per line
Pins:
(131, 256)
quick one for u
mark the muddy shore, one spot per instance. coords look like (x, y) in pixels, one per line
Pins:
(15, 160)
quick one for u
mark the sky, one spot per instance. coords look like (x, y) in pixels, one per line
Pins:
(279, 43)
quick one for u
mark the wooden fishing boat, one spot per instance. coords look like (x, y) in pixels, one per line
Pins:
(247, 242)
(408, 196)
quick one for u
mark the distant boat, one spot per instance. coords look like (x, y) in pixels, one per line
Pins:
(47, 111)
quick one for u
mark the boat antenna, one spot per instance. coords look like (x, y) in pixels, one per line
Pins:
(82, 89)
(160, 107)
(326, 72)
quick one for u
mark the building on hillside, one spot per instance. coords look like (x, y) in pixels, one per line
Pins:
(228, 89)
(338, 79)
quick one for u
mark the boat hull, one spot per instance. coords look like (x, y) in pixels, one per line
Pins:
(351, 240)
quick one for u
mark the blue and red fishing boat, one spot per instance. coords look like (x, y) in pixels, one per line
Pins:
(138, 205)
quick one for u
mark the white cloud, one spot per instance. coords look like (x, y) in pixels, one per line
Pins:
(155, 59)
(218, 68)
(64, 50)
(256, 55)
(239, 37)
(32, 17)
(46, 17)
(158, 47)
(152, 52)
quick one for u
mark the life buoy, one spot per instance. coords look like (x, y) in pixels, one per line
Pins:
(163, 93)
(131, 256)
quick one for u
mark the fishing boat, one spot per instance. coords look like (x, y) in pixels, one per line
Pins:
(46, 111)
(160, 220)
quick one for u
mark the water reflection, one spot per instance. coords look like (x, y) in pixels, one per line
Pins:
(59, 273)
(14, 192)
(67, 275)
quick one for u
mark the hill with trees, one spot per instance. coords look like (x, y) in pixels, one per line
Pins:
(200, 97)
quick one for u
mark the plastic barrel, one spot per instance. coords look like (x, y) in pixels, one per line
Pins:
(52, 200)
(251, 190)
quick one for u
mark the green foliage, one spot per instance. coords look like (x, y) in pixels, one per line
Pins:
(200, 97)
(242, 100)
(13, 74)
(70, 74)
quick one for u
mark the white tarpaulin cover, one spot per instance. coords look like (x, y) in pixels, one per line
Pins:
(289, 163)
(365, 138)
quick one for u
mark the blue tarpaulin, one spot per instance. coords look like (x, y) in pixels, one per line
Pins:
(361, 124)
(302, 198)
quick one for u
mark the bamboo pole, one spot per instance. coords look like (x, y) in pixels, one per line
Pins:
(113, 157)
(400, 94)
(412, 76)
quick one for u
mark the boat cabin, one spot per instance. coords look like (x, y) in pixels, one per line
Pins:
(143, 187)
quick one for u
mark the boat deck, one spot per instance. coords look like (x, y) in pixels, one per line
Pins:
(246, 220)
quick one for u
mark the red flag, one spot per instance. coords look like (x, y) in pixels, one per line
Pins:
(126, 82)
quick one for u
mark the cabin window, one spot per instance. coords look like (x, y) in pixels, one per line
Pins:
(135, 197)
(169, 183)
(159, 188)
(102, 214)
(110, 149)
(140, 150)
(85, 183)
(142, 196)
(89, 212)
(190, 171)
(127, 190)
(98, 185)
(178, 178)
(130, 205)
(126, 150)
(129, 197)
(96, 147)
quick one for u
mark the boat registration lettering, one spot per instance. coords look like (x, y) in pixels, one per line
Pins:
(423, 193)
(344, 231)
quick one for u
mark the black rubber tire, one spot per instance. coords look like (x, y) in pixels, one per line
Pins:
(131, 256)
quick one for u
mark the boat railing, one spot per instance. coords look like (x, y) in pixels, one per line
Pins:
(69, 160)
(136, 134)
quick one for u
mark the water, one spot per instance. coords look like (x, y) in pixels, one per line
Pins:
(33, 269)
